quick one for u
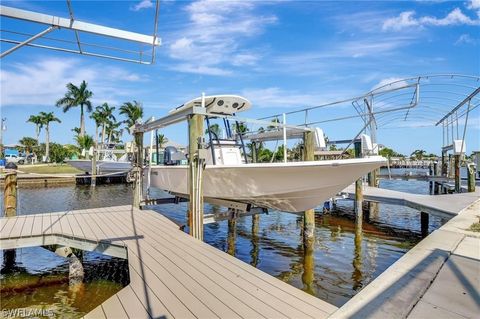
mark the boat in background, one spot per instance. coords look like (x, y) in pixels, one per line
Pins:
(108, 164)
(289, 187)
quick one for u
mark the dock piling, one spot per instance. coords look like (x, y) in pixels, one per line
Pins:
(471, 177)
(457, 174)
(309, 215)
(231, 236)
(196, 157)
(137, 170)
(424, 219)
(10, 191)
(93, 182)
(358, 184)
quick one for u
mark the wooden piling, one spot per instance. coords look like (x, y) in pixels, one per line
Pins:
(10, 194)
(457, 174)
(196, 160)
(471, 177)
(308, 276)
(231, 236)
(444, 164)
(93, 182)
(357, 263)
(138, 170)
(255, 245)
(254, 152)
(358, 205)
(309, 215)
(424, 217)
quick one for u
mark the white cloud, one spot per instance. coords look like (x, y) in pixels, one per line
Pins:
(144, 4)
(465, 39)
(200, 69)
(212, 40)
(473, 5)
(42, 82)
(390, 83)
(407, 19)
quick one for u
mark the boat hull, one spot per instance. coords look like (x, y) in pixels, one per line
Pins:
(290, 187)
(103, 167)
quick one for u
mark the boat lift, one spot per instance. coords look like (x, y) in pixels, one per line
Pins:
(54, 23)
(195, 116)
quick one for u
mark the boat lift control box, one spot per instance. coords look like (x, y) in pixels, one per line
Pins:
(459, 147)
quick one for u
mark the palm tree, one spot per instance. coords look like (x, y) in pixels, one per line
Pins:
(85, 142)
(37, 120)
(77, 96)
(133, 111)
(273, 127)
(214, 128)
(46, 119)
(29, 143)
(97, 116)
(418, 154)
(161, 140)
(76, 130)
(107, 117)
(111, 129)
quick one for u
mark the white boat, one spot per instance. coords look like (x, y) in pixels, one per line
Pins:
(103, 167)
(289, 187)
(108, 165)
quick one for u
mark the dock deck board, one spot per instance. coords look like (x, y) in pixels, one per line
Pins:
(172, 275)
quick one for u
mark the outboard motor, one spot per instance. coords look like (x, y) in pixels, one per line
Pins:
(168, 158)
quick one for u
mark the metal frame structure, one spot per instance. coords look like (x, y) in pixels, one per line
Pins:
(56, 23)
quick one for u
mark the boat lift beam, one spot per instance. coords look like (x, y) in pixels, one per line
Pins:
(77, 25)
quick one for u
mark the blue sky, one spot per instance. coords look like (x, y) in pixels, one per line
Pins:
(281, 55)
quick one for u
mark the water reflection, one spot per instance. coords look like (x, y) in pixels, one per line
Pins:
(254, 252)
(41, 281)
(357, 275)
(308, 269)
(232, 234)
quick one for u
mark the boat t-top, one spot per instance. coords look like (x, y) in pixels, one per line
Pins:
(230, 175)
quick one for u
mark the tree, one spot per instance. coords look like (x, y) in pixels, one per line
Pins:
(85, 142)
(418, 154)
(97, 117)
(111, 129)
(29, 143)
(133, 111)
(215, 129)
(161, 140)
(107, 118)
(77, 96)
(264, 155)
(37, 120)
(273, 127)
(46, 119)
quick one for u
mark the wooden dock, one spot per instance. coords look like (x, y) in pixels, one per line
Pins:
(172, 275)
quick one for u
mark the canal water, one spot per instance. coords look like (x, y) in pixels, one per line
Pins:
(342, 263)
